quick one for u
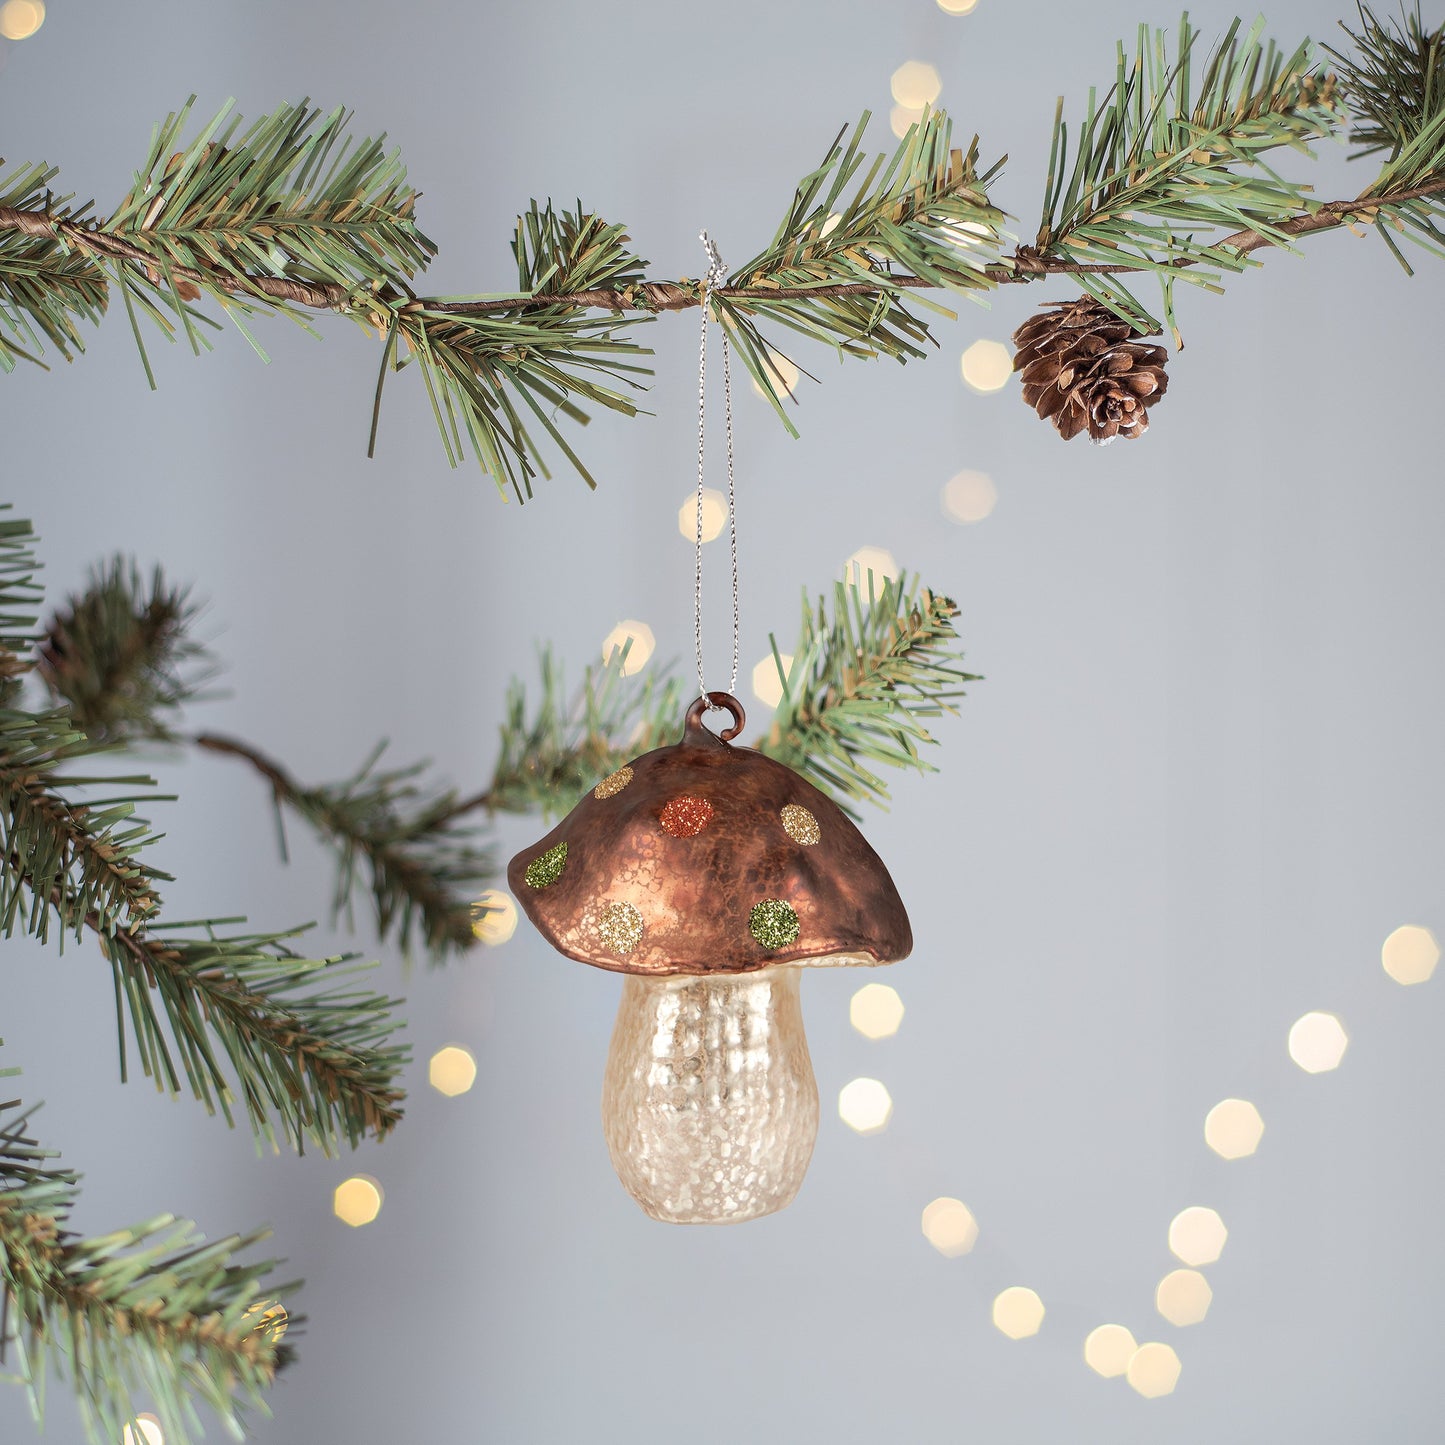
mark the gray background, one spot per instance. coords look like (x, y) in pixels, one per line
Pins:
(1201, 784)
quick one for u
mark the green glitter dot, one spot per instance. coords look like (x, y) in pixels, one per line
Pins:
(773, 923)
(543, 872)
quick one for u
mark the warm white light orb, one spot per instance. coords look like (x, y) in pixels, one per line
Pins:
(949, 1226)
(1233, 1128)
(876, 1011)
(969, 497)
(1154, 1370)
(19, 20)
(494, 916)
(987, 365)
(1108, 1350)
(865, 1106)
(901, 117)
(768, 681)
(1197, 1235)
(1183, 1297)
(915, 84)
(143, 1430)
(357, 1200)
(877, 560)
(782, 373)
(642, 640)
(1018, 1312)
(714, 515)
(1409, 954)
(1317, 1042)
(957, 7)
(452, 1071)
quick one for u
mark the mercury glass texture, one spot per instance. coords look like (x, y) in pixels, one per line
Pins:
(709, 1105)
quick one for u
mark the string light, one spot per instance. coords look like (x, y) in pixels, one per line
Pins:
(969, 497)
(357, 1200)
(768, 682)
(1108, 1350)
(1233, 1128)
(1018, 1312)
(877, 560)
(915, 84)
(1183, 1297)
(452, 1071)
(957, 7)
(643, 645)
(1409, 954)
(901, 117)
(876, 1011)
(143, 1430)
(1197, 1235)
(1154, 1370)
(987, 366)
(1317, 1042)
(949, 1226)
(494, 916)
(20, 19)
(865, 1106)
(714, 515)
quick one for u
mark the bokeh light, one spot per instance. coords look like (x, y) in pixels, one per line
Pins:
(143, 1430)
(1108, 1350)
(1197, 1235)
(782, 373)
(269, 1317)
(1183, 1297)
(1317, 1042)
(901, 117)
(1410, 954)
(877, 560)
(1018, 1312)
(949, 1226)
(915, 84)
(987, 365)
(767, 682)
(643, 644)
(957, 7)
(865, 1105)
(20, 19)
(1233, 1128)
(876, 1011)
(494, 916)
(357, 1200)
(969, 497)
(1154, 1370)
(452, 1071)
(714, 515)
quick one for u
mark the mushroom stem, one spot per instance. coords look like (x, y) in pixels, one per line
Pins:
(709, 1105)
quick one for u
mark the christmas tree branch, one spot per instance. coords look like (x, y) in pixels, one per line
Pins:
(862, 678)
(1170, 174)
(422, 872)
(145, 1313)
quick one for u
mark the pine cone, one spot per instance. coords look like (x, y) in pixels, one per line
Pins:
(1084, 367)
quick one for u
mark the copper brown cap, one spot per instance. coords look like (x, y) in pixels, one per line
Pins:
(662, 868)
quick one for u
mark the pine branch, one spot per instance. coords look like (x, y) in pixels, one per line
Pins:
(308, 1055)
(1158, 166)
(120, 655)
(860, 682)
(149, 1311)
(552, 753)
(1395, 83)
(421, 870)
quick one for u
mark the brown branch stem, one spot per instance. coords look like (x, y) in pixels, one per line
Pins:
(654, 296)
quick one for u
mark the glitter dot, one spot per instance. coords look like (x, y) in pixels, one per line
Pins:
(800, 825)
(543, 872)
(773, 923)
(686, 817)
(620, 927)
(613, 783)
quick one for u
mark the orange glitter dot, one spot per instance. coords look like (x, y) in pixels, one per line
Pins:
(686, 817)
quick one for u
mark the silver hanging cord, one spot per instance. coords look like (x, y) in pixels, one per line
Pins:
(716, 276)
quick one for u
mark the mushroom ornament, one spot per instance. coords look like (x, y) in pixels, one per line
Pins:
(709, 875)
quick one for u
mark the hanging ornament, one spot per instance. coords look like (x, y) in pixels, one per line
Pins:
(710, 875)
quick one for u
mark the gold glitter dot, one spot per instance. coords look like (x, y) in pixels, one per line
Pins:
(686, 816)
(613, 783)
(620, 927)
(800, 825)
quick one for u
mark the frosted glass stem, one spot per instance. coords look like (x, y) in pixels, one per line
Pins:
(709, 1104)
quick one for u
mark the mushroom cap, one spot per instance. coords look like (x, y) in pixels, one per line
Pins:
(705, 858)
